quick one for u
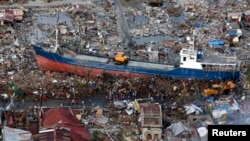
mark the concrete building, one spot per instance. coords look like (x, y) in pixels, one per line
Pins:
(151, 122)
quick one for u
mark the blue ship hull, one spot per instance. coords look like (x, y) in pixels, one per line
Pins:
(55, 62)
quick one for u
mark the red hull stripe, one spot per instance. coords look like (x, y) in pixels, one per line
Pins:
(47, 64)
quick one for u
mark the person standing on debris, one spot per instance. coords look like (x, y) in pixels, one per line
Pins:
(135, 94)
(86, 30)
(82, 102)
(113, 95)
(122, 96)
(106, 98)
(163, 96)
(116, 97)
(89, 102)
(110, 95)
(128, 95)
(77, 101)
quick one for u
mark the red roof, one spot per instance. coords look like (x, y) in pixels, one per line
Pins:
(54, 115)
(60, 134)
(62, 117)
(9, 15)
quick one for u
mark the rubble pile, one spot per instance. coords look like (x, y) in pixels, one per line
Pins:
(186, 104)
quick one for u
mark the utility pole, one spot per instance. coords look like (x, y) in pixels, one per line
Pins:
(41, 97)
(41, 101)
(41, 93)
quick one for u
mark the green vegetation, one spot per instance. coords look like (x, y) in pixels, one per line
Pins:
(95, 136)
(120, 136)
(133, 133)
(248, 73)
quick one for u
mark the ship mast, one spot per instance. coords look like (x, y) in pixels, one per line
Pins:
(56, 45)
(191, 49)
(193, 40)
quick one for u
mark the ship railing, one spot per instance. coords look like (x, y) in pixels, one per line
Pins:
(219, 68)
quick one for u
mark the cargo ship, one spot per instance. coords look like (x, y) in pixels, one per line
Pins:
(193, 64)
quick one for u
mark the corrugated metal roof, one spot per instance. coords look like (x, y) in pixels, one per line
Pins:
(18, 12)
(8, 15)
(54, 115)
(46, 136)
(11, 14)
(61, 134)
(178, 128)
(65, 117)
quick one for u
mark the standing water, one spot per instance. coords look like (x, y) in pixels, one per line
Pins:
(46, 22)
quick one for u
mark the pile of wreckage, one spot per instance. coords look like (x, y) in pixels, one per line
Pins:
(149, 108)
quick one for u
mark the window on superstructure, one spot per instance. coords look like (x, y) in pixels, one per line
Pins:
(156, 137)
(184, 58)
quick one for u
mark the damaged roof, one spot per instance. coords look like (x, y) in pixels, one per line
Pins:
(151, 115)
(65, 118)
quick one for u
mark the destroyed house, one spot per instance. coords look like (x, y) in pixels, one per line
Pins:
(233, 25)
(61, 123)
(234, 16)
(246, 20)
(151, 122)
(179, 131)
(11, 15)
(18, 14)
(8, 15)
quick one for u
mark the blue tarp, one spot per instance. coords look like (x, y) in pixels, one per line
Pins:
(216, 42)
(232, 32)
(223, 106)
(197, 25)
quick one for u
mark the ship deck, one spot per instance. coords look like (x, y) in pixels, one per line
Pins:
(91, 58)
(220, 60)
(150, 65)
(130, 63)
